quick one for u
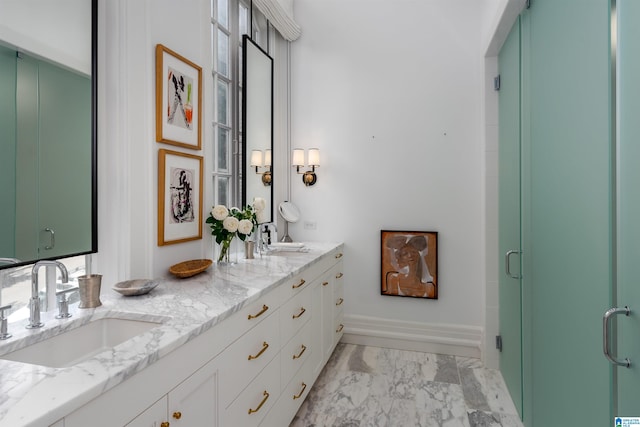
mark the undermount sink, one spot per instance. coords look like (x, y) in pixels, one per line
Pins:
(79, 344)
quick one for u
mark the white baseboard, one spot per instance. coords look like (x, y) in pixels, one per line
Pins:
(454, 340)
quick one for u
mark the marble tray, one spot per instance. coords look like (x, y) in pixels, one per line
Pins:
(135, 287)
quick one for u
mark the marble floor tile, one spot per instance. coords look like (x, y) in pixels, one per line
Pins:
(365, 386)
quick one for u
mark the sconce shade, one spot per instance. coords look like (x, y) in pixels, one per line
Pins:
(309, 178)
(267, 157)
(314, 157)
(298, 157)
(256, 158)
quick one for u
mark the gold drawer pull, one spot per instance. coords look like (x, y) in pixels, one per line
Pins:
(339, 302)
(339, 276)
(164, 424)
(302, 310)
(302, 282)
(265, 346)
(338, 256)
(299, 355)
(340, 328)
(177, 415)
(266, 396)
(299, 395)
(261, 312)
(325, 283)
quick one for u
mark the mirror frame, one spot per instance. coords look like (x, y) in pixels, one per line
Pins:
(247, 170)
(94, 148)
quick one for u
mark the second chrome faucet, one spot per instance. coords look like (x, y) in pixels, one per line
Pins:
(34, 302)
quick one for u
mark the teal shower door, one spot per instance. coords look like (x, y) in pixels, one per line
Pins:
(570, 143)
(509, 216)
(568, 221)
(628, 204)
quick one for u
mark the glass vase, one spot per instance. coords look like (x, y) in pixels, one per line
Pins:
(224, 250)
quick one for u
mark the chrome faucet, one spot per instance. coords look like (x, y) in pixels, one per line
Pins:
(34, 302)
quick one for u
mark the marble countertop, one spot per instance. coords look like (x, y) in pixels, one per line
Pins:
(32, 395)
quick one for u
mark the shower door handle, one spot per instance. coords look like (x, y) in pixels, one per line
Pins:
(605, 335)
(507, 267)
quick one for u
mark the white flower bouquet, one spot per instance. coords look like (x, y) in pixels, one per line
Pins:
(228, 223)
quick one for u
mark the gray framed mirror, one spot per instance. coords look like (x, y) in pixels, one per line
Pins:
(257, 126)
(48, 130)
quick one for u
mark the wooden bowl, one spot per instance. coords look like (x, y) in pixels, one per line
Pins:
(190, 268)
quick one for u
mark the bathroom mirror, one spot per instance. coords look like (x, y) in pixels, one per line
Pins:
(48, 140)
(257, 125)
(289, 212)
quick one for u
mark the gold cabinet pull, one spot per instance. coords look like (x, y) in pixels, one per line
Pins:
(340, 328)
(297, 396)
(302, 282)
(339, 276)
(325, 283)
(266, 396)
(302, 310)
(339, 302)
(299, 355)
(265, 346)
(164, 424)
(177, 415)
(338, 256)
(261, 312)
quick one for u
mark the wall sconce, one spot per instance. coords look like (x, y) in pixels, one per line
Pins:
(308, 177)
(256, 162)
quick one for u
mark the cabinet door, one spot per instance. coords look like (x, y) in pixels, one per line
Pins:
(194, 401)
(317, 329)
(327, 285)
(338, 304)
(154, 416)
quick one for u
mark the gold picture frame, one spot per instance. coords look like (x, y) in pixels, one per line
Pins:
(179, 197)
(409, 263)
(178, 100)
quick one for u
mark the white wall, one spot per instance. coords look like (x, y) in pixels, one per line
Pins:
(59, 31)
(128, 152)
(391, 93)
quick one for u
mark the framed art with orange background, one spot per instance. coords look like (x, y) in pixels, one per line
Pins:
(409, 261)
(178, 100)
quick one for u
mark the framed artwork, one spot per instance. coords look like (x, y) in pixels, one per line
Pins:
(178, 100)
(409, 261)
(179, 197)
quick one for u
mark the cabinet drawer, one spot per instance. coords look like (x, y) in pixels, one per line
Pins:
(252, 314)
(245, 358)
(294, 314)
(294, 354)
(338, 327)
(302, 280)
(293, 394)
(251, 406)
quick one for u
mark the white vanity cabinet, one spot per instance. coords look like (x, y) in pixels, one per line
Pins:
(191, 403)
(254, 368)
(153, 416)
(338, 302)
